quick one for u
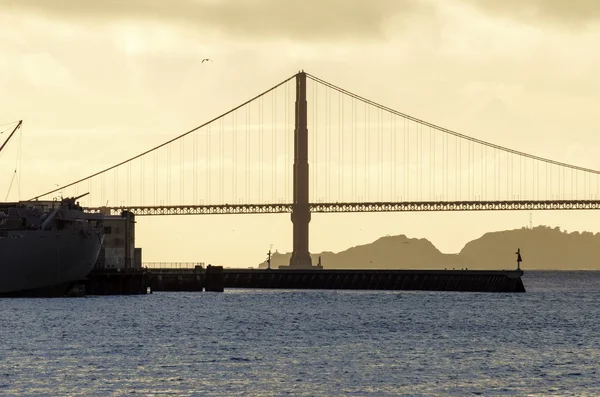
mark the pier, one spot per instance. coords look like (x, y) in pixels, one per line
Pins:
(116, 282)
(196, 279)
(217, 279)
(415, 280)
(143, 281)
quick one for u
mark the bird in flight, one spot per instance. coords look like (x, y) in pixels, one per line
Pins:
(206, 60)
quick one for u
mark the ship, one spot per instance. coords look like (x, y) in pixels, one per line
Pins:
(47, 248)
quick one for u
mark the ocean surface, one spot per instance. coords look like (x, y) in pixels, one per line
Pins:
(309, 343)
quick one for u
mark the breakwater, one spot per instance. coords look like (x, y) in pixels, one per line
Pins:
(143, 281)
(418, 280)
(199, 279)
(116, 282)
(217, 279)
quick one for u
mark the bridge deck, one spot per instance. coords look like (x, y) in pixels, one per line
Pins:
(411, 206)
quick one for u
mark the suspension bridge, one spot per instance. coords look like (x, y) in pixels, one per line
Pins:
(306, 145)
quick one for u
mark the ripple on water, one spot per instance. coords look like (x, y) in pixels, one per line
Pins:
(308, 343)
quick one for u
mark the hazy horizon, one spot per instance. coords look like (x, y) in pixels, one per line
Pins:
(97, 84)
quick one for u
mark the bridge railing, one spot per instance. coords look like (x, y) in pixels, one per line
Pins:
(173, 265)
(339, 207)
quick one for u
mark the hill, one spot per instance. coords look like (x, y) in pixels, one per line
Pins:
(541, 247)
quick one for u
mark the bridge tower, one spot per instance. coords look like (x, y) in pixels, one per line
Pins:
(300, 210)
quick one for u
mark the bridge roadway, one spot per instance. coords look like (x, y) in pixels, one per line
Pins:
(406, 206)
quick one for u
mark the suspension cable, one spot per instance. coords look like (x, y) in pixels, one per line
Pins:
(170, 141)
(447, 131)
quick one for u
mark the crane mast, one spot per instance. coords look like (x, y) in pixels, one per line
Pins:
(11, 134)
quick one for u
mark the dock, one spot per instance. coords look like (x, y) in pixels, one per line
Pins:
(408, 280)
(198, 279)
(217, 279)
(116, 282)
(143, 281)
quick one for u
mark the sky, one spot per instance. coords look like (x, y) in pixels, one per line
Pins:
(99, 82)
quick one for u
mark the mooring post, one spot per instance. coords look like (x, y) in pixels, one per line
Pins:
(300, 210)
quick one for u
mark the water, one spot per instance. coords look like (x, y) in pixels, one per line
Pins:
(313, 343)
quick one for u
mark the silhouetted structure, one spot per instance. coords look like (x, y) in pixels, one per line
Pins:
(47, 247)
(416, 280)
(213, 279)
(117, 282)
(300, 210)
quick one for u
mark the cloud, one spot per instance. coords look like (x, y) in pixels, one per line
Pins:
(572, 13)
(329, 19)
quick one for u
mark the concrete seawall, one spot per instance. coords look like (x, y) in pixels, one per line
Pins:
(215, 278)
(418, 280)
(142, 281)
(209, 279)
(116, 282)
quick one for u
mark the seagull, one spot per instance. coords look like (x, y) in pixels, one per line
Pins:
(206, 60)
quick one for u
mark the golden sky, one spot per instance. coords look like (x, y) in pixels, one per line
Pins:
(98, 82)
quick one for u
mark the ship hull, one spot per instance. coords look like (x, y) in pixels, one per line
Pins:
(54, 291)
(46, 263)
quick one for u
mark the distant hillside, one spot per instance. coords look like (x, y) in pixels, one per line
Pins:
(541, 248)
